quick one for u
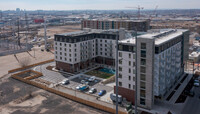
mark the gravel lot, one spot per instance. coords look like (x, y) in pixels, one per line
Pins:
(42, 101)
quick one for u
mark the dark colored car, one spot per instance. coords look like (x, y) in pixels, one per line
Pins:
(102, 92)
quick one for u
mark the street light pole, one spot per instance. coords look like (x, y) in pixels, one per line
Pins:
(116, 74)
(136, 73)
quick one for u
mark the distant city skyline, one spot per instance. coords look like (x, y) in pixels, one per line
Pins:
(96, 4)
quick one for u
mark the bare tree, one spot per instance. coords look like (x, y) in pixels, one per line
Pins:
(24, 62)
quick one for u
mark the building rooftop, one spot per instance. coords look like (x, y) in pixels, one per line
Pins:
(127, 20)
(160, 36)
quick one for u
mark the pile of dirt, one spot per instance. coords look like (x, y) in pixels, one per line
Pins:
(22, 99)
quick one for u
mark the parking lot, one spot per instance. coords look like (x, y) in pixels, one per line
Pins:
(75, 80)
(94, 84)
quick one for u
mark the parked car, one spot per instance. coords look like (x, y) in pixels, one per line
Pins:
(84, 87)
(86, 78)
(91, 79)
(196, 81)
(92, 90)
(113, 97)
(196, 84)
(83, 81)
(65, 81)
(78, 87)
(102, 92)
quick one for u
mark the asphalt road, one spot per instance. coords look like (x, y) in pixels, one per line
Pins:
(193, 103)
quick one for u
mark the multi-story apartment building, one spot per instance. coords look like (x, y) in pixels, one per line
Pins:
(80, 50)
(160, 58)
(105, 24)
(160, 64)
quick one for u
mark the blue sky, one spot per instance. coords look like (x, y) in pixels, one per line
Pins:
(97, 4)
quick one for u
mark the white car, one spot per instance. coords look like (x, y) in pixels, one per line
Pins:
(91, 79)
(65, 81)
(196, 84)
(79, 86)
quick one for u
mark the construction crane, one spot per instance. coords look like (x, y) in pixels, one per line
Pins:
(138, 8)
(154, 12)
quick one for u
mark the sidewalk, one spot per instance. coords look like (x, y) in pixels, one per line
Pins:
(180, 89)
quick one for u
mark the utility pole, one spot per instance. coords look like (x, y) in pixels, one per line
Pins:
(26, 30)
(116, 74)
(45, 34)
(18, 33)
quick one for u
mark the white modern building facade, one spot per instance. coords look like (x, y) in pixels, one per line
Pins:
(160, 64)
(79, 50)
(160, 57)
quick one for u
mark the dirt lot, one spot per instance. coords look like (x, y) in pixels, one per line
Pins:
(10, 61)
(59, 29)
(13, 101)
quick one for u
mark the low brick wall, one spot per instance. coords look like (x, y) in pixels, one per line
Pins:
(74, 98)
(29, 66)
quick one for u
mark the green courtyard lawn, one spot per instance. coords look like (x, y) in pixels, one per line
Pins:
(99, 74)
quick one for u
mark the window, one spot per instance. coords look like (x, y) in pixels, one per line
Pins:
(60, 53)
(120, 47)
(133, 71)
(143, 53)
(65, 54)
(143, 45)
(129, 70)
(65, 49)
(69, 50)
(65, 59)
(120, 54)
(142, 93)
(142, 101)
(142, 85)
(133, 56)
(65, 45)
(60, 48)
(120, 75)
(70, 60)
(60, 44)
(129, 55)
(129, 77)
(74, 45)
(70, 55)
(120, 61)
(142, 69)
(133, 86)
(133, 78)
(120, 83)
(69, 45)
(56, 52)
(75, 59)
(129, 63)
(142, 77)
(75, 50)
(143, 61)
(129, 86)
(60, 58)
(133, 64)
(120, 68)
